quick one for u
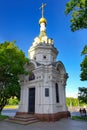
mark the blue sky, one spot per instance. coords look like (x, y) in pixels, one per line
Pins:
(19, 21)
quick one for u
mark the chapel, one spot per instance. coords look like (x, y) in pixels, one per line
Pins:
(43, 91)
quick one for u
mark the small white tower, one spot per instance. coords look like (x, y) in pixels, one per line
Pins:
(43, 91)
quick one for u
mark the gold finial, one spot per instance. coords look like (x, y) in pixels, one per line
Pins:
(42, 7)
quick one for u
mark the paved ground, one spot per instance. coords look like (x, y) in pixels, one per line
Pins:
(64, 124)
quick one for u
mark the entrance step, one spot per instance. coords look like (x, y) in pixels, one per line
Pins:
(24, 119)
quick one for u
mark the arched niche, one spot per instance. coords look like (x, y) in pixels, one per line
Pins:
(31, 69)
(31, 76)
(60, 67)
(32, 65)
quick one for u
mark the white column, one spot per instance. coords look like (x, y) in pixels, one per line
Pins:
(23, 107)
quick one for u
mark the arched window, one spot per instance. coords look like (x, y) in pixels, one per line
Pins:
(31, 76)
(57, 93)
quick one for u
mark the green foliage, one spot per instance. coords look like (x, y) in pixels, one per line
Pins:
(78, 8)
(12, 61)
(13, 101)
(2, 117)
(11, 55)
(71, 101)
(84, 50)
(83, 65)
(82, 95)
(79, 118)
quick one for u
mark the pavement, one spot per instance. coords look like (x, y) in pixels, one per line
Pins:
(63, 124)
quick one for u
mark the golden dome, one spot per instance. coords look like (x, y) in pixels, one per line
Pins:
(42, 20)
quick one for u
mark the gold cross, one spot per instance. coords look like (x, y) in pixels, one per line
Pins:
(42, 7)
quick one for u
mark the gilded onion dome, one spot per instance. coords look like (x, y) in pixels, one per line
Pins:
(42, 20)
(42, 38)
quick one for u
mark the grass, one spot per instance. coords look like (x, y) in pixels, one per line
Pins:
(83, 118)
(2, 117)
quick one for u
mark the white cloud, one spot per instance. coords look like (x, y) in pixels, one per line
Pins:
(72, 94)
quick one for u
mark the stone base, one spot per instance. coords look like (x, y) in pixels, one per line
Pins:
(48, 117)
(23, 118)
(53, 117)
(21, 113)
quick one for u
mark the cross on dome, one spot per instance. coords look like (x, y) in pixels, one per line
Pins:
(42, 7)
(42, 19)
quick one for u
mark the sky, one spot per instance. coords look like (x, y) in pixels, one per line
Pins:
(19, 21)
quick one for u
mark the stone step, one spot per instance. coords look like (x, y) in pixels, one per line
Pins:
(25, 116)
(24, 119)
(23, 122)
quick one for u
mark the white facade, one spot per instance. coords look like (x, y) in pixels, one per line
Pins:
(46, 76)
(49, 77)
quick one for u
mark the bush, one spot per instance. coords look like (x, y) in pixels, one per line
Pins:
(13, 101)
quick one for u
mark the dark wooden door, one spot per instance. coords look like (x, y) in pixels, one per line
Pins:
(31, 100)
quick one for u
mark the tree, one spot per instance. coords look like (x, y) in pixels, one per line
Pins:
(70, 101)
(82, 95)
(12, 61)
(79, 21)
(83, 90)
(78, 8)
(83, 65)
